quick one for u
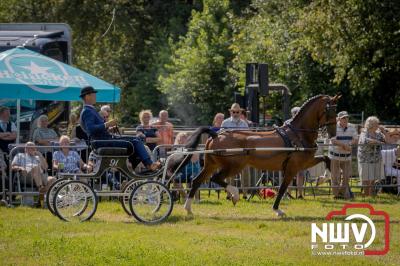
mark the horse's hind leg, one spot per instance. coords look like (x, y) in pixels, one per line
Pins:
(219, 179)
(206, 172)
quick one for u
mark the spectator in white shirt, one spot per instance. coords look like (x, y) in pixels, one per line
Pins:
(340, 155)
(32, 165)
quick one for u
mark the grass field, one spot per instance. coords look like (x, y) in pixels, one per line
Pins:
(218, 234)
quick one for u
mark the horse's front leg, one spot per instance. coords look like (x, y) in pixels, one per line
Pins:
(205, 172)
(288, 175)
(320, 158)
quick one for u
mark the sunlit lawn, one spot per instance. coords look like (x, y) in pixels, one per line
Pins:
(218, 234)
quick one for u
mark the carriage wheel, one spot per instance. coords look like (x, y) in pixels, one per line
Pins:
(127, 190)
(52, 191)
(151, 202)
(75, 201)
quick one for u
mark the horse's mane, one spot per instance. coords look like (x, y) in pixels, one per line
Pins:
(308, 102)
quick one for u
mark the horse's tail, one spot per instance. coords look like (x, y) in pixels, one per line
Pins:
(194, 139)
(192, 143)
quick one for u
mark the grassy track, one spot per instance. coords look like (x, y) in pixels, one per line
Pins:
(219, 234)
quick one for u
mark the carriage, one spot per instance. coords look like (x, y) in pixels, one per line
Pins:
(144, 196)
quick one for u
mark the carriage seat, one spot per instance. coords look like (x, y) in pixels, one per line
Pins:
(112, 151)
(112, 147)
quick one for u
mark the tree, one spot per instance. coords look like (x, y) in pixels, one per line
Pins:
(196, 80)
(359, 40)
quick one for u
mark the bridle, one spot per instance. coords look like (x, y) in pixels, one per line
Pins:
(330, 115)
(330, 119)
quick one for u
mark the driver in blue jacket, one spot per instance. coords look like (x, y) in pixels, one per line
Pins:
(97, 129)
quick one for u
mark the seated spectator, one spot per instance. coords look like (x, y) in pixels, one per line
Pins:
(106, 110)
(45, 136)
(67, 161)
(218, 119)
(391, 165)
(369, 154)
(190, 171)
(106, 114)
(8, 130)
(32, 165)
(146, 131)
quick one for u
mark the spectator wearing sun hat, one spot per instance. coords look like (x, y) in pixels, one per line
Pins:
(234, 120)
(340, 155)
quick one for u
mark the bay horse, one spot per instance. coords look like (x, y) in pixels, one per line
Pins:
(301, 131)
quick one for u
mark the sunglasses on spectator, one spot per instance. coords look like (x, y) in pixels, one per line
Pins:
(235, 112)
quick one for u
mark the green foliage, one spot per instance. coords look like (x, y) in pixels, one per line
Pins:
(359, 40)
(132, 52)
(195, 81)
(189, 56)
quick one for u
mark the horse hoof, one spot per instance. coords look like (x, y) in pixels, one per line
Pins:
(280, 213)
(235, 200)
(188, 206)
(234, 194)
(188, 211)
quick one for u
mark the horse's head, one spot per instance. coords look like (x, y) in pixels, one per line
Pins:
(328, 115)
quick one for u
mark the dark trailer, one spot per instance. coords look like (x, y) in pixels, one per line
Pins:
(51, 39)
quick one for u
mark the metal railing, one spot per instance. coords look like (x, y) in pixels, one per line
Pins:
(250, 180)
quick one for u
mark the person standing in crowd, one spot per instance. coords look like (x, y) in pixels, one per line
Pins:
(369, 155)
(218, 119)
(234, 121)
(165, 129)
(45, 136)
(8, 130)
(340, 155)
(146, 131)
(96, 128)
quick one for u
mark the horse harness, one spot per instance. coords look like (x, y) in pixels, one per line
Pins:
(289, 136)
